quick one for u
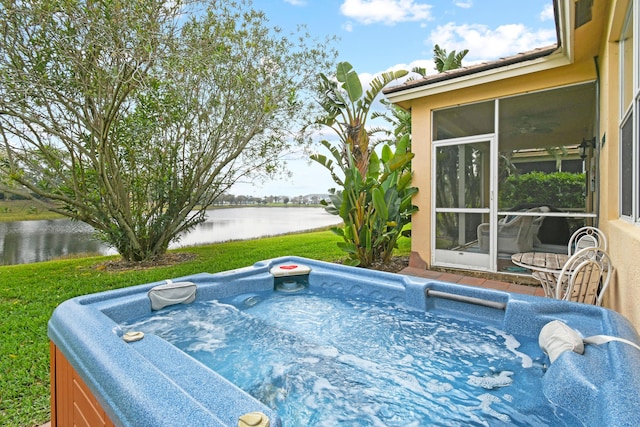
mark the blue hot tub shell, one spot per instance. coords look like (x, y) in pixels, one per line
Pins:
(152, 383)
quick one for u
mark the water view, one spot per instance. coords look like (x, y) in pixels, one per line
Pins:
(25, 242)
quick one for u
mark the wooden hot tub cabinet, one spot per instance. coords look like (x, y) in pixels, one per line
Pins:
(72, 403)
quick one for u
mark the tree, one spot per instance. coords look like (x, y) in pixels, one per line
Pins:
(375, 200)
(376, 207)
(445, 62)
(347, 108)
(134, 116)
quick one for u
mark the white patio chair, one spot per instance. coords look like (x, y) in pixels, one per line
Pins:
(517, 233)
(585, 276)
(586, 237)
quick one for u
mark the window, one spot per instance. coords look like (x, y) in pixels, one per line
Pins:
(626, 168)
(539, 163)
(466, 120)
(629, 120)
(627, 65)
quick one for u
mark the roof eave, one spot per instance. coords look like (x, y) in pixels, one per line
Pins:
(459, 81)
(542, 59)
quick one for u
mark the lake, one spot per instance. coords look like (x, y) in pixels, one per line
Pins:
(25, 242)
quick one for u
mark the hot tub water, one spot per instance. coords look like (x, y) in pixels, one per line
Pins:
(324, 360)
(355, 347)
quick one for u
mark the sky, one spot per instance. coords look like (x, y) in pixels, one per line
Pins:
(379, 35)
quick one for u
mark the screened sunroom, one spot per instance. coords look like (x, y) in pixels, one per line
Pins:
(513, 174)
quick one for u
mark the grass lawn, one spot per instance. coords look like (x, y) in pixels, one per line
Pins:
(29, 293)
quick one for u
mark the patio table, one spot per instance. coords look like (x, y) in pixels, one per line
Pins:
(546, 267)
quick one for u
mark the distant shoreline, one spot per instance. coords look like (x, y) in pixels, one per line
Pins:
(26, 210)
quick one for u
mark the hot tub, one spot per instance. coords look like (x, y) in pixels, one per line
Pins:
(104, 375)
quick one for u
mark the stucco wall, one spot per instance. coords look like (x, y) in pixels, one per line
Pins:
(421, 112)
(421, 147)
(623, 295)
(624, 249)
(596, 44)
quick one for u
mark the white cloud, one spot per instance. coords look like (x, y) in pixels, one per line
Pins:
(365, 79)
(307, 177)
(485, 43)
(348, 26)
(388, 12)
(296, 2)
(465, 4)
(547, 13)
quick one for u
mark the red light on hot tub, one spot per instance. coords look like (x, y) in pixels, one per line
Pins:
(289, 270)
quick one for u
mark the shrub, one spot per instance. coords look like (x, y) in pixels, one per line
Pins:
(560, 189)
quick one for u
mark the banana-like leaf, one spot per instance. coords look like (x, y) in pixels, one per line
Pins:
(388, 180)
(332, 100)
(379, 82)
(350, 81)
(352, 262)
(391, 196)
(402, 145)
(373, 171)
(365, 238)
(380, 205)
(326, 121)
(387, 153)
(419, 70)
(332, 210)
(345, 209)
(399, 161)
(348, 232)
(327, 163)
(404, 181)
(342, 70)
(323, 160)
(405, 205)
(347, 247)
(333, 150)
(336, 199)
(337, 231)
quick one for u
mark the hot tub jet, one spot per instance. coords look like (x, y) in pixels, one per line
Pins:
(289, 286)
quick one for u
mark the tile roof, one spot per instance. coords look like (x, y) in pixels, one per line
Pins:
(473, 69)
